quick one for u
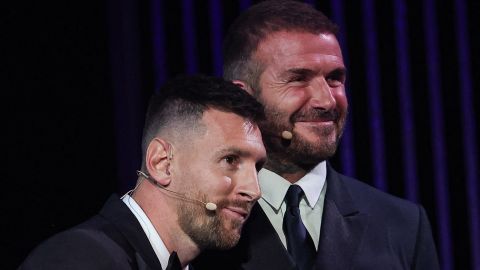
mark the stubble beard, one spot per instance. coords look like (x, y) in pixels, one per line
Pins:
(298, 152)
(208, 229)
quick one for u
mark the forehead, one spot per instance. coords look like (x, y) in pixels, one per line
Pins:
(288, 48)
(224, 128)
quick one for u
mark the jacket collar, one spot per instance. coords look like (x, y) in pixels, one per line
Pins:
(343, 225)
(260, 238)
(123, 219)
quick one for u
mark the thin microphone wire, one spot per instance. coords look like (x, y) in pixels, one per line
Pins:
(209, 205)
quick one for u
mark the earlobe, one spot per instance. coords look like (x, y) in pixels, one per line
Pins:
(244, 86)
(157, 159)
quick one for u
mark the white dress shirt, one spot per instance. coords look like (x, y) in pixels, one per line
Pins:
(157, 244)
(274, 187)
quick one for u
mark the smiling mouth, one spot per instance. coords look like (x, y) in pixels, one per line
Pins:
(318, 123)
(320, 128)
(236, 212)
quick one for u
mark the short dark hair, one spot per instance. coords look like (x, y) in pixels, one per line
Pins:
(255, 24)
(182, 101)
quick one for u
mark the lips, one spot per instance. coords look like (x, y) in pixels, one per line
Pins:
(330, 118)
(317, 121)
(321, 129)
(236, 212)
(316, 116)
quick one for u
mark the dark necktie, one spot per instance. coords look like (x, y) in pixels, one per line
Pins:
(299, 243)
(174, 262)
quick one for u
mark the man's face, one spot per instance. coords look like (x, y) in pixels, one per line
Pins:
(303, 91)
(219, 166)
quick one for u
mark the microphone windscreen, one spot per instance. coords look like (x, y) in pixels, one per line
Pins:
(211, 206)
(287, 135)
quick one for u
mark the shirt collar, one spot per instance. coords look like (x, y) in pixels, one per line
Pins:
(274, 187)
(153, 237)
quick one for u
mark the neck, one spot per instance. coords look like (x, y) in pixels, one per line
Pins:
(285, 168)
(165, 223)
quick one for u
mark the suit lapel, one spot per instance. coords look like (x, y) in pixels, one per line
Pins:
(259, 237)
(122, 218)
(343, 226)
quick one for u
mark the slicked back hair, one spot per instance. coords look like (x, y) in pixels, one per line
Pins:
(181, 102)
(259, 21)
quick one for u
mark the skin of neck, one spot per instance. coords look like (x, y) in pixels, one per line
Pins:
(286, 168)
(160, 210)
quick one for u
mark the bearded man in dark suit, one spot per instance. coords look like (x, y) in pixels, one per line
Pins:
(202, 150)
(286, 54)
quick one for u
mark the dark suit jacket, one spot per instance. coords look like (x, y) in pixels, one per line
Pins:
(362, 228)
(113, 239)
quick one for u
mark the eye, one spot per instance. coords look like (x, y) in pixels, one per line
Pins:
(231, 160)
(297, 75)
(336, 78)
(297, 78)
(334, 82)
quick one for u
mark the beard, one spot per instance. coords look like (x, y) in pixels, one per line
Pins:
(209, 229)
(300, 150)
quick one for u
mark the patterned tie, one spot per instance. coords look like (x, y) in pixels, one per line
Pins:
(299, 243)
(174, 262)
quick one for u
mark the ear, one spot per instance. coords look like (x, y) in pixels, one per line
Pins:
(157, 159)
(244, 86)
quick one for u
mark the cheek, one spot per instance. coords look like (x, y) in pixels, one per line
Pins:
(341, 99)
(219, 184)
(226, 182)
(285, 103)
(294, 98)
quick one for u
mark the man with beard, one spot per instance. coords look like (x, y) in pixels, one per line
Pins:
(286, 54)
(202, 150)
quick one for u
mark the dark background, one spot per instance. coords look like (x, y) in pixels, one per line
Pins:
(76, 77)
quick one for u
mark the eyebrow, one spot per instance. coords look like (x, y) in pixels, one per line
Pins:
(309, 72)
(238, 152)
(234, 150)
(339, 71)
(298, 71)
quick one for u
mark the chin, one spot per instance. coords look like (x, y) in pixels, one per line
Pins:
(228, 241)
(320, 143)
(313, 151)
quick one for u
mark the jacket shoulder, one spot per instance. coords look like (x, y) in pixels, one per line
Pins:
(86, 246)
(366, 197)
(402, 225)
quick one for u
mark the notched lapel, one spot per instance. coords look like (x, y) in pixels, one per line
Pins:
(261, 239)
(127, 224)
(343, 226)
(340, 238)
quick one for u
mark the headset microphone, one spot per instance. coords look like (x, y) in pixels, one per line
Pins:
(208, 205)
(287, 135)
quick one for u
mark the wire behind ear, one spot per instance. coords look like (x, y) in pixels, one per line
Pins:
(170, 153)
(169, 158)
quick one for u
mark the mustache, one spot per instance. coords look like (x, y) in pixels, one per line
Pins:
(315, 115)
(245, 205)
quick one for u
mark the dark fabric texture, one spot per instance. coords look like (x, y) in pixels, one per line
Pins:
(113, 239)
(362, 228)
(299, 243)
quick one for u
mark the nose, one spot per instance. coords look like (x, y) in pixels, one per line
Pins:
(248, 188)
(321, 96)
